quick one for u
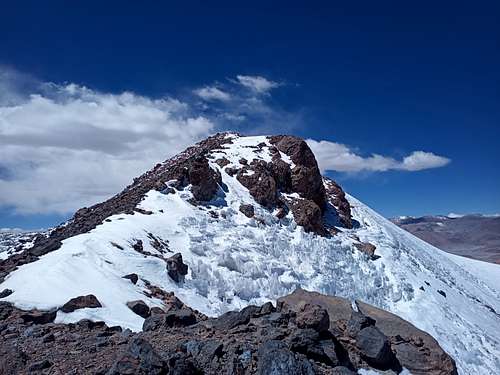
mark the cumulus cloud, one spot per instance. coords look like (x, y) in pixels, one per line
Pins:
(68, 146)
(334, 156)
(212, 93)
(257, 83)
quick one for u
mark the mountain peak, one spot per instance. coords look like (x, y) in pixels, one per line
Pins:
(235, 221)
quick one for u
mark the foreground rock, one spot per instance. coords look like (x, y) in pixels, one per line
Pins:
(307, 333)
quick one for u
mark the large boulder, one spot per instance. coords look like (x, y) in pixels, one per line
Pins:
(176, 268)
(81, 302)
(140, 308)
(307, 214)
(275, 358)
(139, 358)
(314, 317)
(374, 346)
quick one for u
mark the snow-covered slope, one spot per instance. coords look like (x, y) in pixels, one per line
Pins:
(235, 261)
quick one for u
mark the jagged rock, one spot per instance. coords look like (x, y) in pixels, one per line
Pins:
(282, 174)
(367, 248)
(258, 179)
(39, 317)
(247, 210)
(336, 197)
(424, 356)
(314, 317)
(139, 358)
(306, 176)
(276, 359)
(255, 339)
(5, 293)
(140, 308)
(180, 318)
(308, 342)
(375, 348)
(204, 351)
(81, 302)
(176, 267)
(357, 322)
(307, 214)
(204, 180)
(154, 322)
(132, 277)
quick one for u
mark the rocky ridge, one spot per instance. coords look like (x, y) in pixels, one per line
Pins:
(306, 333)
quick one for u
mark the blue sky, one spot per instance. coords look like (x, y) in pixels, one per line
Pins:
(382, 78)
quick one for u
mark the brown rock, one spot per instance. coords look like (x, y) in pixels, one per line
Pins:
(336, 197)
(367, 248)
(204, 180)
(140, 308)
(307, 214)
(247, 210)
(81, 302)
(314, 317)
(258, 179)
(306, 176)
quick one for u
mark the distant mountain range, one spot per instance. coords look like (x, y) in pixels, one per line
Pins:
(473, 236)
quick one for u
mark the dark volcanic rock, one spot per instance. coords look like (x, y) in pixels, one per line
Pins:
(139, 358)
(140, 308)
(180, 318)
(357, 322)
(247, 210)
(314, 317)
(257, 339)
(375, 348)
(5, 293)
(176, 267)
(81, 302)
(132, 277)
(414, 349)
(39, 317)
(276, 359)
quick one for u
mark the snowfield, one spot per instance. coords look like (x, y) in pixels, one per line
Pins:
(235, 261)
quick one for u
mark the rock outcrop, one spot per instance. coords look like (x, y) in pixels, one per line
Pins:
(307, 333)
(81, 302)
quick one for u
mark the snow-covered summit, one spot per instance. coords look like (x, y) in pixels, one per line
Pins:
(254, 220)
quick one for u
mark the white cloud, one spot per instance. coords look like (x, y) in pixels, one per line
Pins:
(257, 83)
(70, 146)
(419, 160)
(212, 93)
(339, 157)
